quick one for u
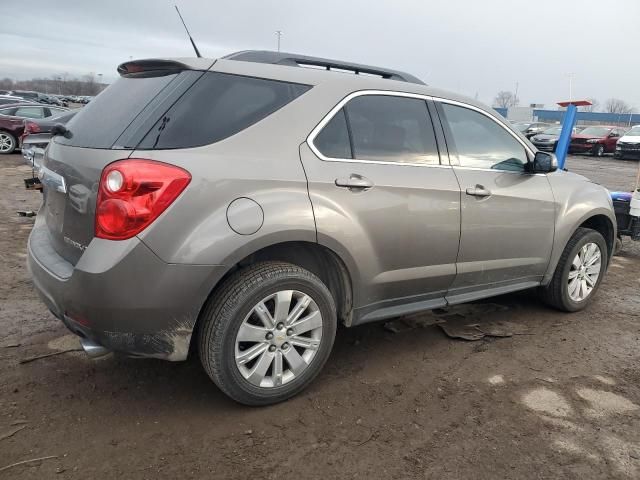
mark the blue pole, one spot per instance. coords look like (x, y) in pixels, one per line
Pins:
(565, 136)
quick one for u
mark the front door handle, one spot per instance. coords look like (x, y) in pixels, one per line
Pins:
(354, 182)
(478, 191)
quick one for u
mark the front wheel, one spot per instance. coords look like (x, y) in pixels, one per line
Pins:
(267, 333)
(598, 150)
(578, 273)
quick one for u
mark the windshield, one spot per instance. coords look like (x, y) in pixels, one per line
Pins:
(596, 131)
(634, 132)
(552, 131)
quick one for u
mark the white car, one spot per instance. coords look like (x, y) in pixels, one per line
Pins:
(629, 144)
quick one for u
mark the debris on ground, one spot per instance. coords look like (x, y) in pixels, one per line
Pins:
(463, 322)
(26, 213)
(23, 462)
(11, 433)
(46, 355)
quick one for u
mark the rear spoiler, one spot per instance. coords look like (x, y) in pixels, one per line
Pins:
(154, 67)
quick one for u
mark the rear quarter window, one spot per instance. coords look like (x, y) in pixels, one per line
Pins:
(217, 106)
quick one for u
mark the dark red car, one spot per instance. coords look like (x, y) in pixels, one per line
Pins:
(12, 121)
(596, 140)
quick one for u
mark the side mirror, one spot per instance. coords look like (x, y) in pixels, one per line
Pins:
(544, 162)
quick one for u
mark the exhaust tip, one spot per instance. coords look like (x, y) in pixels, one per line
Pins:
(92, 349)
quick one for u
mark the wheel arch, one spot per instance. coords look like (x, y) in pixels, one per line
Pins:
(318, 259)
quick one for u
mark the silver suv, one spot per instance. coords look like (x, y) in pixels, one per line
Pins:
(242, 207)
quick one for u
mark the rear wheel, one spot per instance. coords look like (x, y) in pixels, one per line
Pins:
(578, 273)
(7, 143)
(267, 333)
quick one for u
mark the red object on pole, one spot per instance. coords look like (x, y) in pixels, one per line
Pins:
(577, 103)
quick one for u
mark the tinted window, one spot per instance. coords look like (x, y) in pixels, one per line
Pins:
(100, 123)
(7, 111)
(333, 140)
(56, 112)
(481, 142)
(392, 129)
(29, 112)
(217, 106)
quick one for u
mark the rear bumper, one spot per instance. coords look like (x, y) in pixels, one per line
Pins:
(121, 295)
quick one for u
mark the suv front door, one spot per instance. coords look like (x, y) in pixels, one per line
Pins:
(383, 201)
(508, 215)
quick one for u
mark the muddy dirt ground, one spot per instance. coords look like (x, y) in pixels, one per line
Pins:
(560, 399)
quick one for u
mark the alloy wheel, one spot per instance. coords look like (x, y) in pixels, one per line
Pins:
(278, 339)
(6, 143)
(584, 272)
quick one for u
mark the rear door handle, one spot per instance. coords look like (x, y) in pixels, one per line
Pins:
(354, 182)
(478, 191)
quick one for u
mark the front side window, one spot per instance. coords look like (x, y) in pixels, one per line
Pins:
(480, 142)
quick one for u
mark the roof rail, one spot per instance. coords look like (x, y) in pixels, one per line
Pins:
(295, 60)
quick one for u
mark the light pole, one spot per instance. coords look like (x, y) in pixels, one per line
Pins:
(570, 87)
(279, 35)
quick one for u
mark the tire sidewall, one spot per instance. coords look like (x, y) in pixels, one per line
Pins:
(226, 358)
(591, 237)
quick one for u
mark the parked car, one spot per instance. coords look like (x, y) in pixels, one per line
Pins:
(596, 140)
(529, 129)
(12, 121)
(548, 139)
(8, 99)
(628, 145)
(36, 136)
(257, 203)
(28, 95)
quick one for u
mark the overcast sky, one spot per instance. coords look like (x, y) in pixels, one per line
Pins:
(476, 47)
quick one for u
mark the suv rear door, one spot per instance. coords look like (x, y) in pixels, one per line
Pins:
(508, 215)
(384, 202)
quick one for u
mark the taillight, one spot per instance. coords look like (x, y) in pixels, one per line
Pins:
(133, 193)
(31, 127)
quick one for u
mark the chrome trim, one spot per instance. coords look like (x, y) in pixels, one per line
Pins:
(495, 170)
(52, 179)
(327, 118)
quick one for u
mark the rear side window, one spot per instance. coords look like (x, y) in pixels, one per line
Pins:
(29, 112)
(100, 123)
(333, 140)
(381, 128)
(217, 106)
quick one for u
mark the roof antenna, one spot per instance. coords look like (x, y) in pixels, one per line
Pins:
(185, 27)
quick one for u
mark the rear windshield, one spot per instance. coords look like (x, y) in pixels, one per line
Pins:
(188, 109)
(100, 123)
(217, 106)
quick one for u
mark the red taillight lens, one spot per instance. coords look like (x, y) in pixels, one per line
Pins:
(133, 193)
(31, 127)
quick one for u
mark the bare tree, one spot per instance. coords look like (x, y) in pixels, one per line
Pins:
(615, 105)
(505, 99)
(591, 108)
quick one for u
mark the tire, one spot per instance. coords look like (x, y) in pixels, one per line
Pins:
(557, 293)
(8, 143)
(237, 304)
(598, 150)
